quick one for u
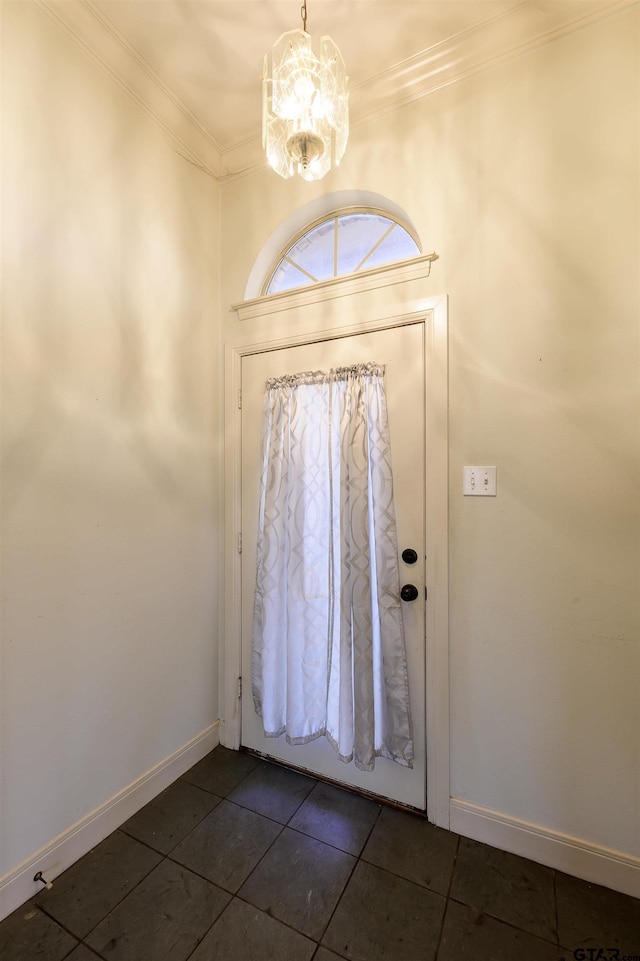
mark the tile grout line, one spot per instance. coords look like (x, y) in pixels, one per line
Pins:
(164, 856)
(82, 938)
(447, 899)
(213, 923)
(555, 907)
(236, 895)
(502, 921)
(280, 824)
(313, 817)
(272, 917)
(259, 862)
(173, 861)
(357, 861)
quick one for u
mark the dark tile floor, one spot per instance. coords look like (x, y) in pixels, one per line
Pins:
(241, 860)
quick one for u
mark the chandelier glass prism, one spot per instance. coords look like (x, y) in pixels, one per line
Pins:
(305, 105)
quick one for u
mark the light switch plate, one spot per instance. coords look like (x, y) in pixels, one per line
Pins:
(479, 481)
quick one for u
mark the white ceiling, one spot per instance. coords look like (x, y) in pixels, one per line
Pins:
(195, 65)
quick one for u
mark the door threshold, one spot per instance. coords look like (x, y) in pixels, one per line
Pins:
(388, 802)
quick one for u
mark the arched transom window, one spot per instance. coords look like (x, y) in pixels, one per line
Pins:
(344, 243)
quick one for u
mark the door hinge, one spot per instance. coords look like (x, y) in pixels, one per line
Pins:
(239, 688)
(240, 543)
(239, 399)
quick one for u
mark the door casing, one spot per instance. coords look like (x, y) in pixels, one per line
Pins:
(334, 312)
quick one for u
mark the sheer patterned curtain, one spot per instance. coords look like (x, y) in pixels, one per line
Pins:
(328, 642)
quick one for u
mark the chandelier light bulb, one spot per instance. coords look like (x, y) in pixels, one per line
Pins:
(305, 106)
(304, 89)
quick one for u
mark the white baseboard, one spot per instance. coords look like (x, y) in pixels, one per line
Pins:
(18, 885)
(582, 859)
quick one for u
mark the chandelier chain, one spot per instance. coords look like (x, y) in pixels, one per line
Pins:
(303, 14)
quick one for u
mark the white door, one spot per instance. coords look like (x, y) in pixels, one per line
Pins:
(401, 350)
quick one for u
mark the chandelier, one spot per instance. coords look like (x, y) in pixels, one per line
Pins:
(305, 105)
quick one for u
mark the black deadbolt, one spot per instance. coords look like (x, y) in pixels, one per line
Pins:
(409, 592)
(409, 556)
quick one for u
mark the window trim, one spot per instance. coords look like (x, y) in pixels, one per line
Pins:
(334, 216)
(396, 272)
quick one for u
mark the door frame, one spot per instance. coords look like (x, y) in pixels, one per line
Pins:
(325, 318)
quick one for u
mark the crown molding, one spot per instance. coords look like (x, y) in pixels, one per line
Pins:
(84, 22)
(482, 47)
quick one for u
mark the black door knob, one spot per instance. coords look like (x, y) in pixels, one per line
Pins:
(409, 556)
(409, 592)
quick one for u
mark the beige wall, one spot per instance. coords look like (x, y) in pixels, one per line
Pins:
(525, 181)
(110, 378)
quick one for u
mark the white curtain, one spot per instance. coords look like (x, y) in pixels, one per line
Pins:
(328, 642)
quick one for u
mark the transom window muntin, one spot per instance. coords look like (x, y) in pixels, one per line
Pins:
(347, 242)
